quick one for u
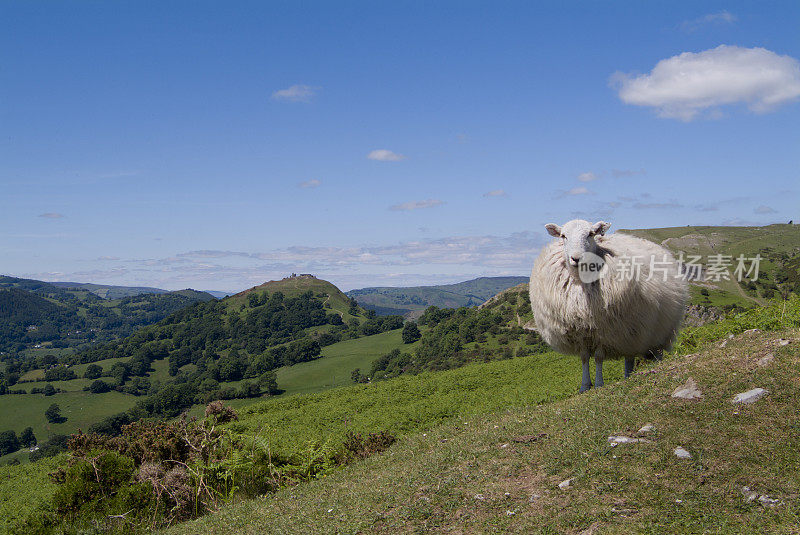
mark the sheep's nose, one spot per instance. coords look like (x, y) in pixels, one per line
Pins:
(575, 259)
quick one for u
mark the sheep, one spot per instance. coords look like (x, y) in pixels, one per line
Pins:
(628, 300)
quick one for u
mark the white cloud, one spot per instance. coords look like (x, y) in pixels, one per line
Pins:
(587, 177)
(383, 155)
(496, 193)
(763, 209)
(721, 17)
(580, 190)
(295, 93)
(313, 183)
(416, 205)
(107, 258)
(683, 86)
(52, 215)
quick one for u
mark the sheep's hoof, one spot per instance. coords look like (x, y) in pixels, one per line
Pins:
(585, 388)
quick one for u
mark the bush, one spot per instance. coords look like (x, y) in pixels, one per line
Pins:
(99, 387)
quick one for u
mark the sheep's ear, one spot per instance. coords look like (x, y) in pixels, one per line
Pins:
(600, 228)
(553, 229)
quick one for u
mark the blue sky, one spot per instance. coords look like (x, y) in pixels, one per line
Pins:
(219, 145)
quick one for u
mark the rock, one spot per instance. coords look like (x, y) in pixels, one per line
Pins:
(510, 513)
(751, 396)
(480, 497)
(646, 428)
(767, 501)
(723, 344)
(766, 360)
(752, 331)
(749, 495)
(783, 342)
(534, 497)
(567, 483)
(682, 453)
(688, 390)
(619, 439)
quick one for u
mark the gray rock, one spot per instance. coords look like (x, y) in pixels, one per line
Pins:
(783, 342)
(646, 428)
(619, 439)
(688, 390)
(766, 360)
(567, 483)
(749, 494)
(752, 331)
(682, 453)
(767, 501)
(751, 396)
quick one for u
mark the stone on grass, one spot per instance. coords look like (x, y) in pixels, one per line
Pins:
(646, 428)
(751, 396)
(766, 360)
(682, 453)
(688, 390)
(567, 483)
(620, 439)
(752, 331)
(783, 342)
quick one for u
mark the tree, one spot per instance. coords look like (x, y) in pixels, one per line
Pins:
(99, 387)
(9, 443)
(27, 438)
(268, 381)
(93, 371)
(53, 414)
(411, 333)
(48, 390)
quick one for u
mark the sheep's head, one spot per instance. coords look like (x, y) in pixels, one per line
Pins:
(578, 237)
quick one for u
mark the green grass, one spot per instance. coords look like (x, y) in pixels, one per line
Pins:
(337, 362)
(80, 408)
(513, 459)
(23, 487)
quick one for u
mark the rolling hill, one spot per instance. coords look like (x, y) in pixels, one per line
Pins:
(45, 318)
(413, 300)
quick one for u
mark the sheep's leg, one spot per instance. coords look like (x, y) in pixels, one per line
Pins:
(658, 354)
(629, 362)
(598, 367)
(586, 382)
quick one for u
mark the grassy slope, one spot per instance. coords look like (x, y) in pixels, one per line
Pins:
(23, 487)
(732, 241)
(429, 482)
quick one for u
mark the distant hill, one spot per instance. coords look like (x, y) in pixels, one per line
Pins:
(107, 291)
(779, 269)
(43, 317)
(412, 301)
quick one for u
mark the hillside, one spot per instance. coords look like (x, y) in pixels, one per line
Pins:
(778, 246)
(411, 301)
(501, 472)
(107, 291)
(39, 318)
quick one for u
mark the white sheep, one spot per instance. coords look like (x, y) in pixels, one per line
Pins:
(628, 300)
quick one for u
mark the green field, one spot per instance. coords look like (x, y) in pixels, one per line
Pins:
(80, 408)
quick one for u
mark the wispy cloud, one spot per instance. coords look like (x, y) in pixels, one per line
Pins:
(720, 18)
(52, 215)
(416, 205)
(764, 209)
(313, 183)
(383, 155)
(107, 258)
(656, 205)
(587, 177)
(684, 86)
(624, 173)
(295, 93)
(496, 193)
(579, 190)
